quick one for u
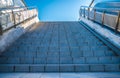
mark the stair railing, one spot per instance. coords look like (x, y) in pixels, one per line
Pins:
(13, 17)
(109, 17)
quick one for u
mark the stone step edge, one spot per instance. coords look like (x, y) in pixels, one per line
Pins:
(62, 57)
(60, 68)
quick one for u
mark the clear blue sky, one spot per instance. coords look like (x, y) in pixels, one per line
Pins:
(59, 10)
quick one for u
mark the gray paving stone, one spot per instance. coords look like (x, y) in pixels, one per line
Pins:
(42, 54)
(99, 53)
(116, 60)
(112, 68)
(97, 68)
(80, 60)
(3, 60)
(92, 60)
(53, 49)
(53, 54)
(109, 53)
(52, 68)
(31, 54)
(75, 49)
(37, 68)
(53, 60)
(6, 68)
(73, 44)
(32, 49)
(13, 60)
(88, 53)
(26, 60)
(64, 49)
(43, 49)
(28, 75)
(105, 60)
(66, 60)
(40, 60)
(82, 68)
(22, 68)
(8, 53)
(66, 68)
(63, 54)
(76, 54)
(50, 75)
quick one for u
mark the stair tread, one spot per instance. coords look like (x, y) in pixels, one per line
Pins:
(54, 46)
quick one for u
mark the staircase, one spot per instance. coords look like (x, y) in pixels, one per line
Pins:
(59, 47)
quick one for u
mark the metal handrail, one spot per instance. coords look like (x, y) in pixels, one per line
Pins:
(83, 10)
(16, 17)
(6, 8)
(98, 8)
(18, 8)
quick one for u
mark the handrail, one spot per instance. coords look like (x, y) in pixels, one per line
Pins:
(98, 8)
(15, 17)
(91, 3)
(13, 8)
(103, 11)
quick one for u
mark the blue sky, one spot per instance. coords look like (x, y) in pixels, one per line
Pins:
(59, 10)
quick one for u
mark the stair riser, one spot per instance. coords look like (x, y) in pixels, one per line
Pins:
(60, 68)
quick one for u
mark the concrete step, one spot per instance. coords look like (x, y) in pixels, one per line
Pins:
(59, 47)
(83, 51)
(60, 60)
(60, 68)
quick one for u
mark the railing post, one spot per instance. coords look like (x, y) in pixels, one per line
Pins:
(6, 20)
(13, 18)
(94, 14)
(19, 17)
(23, 17)
(80, 12)
(88, 12)
(117, 24)
(1, 32)
(103, 17)
(84, 12)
